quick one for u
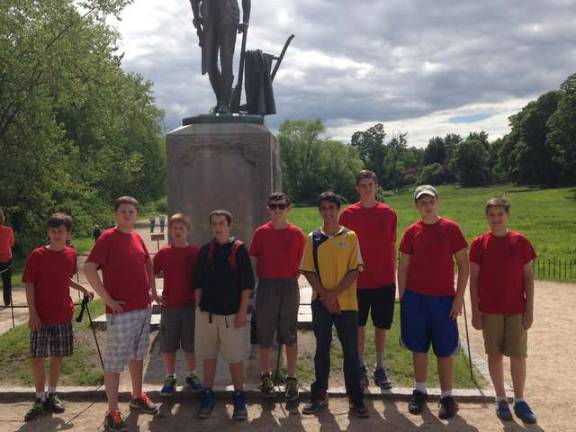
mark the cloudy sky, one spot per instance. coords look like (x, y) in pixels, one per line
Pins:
(425, 67)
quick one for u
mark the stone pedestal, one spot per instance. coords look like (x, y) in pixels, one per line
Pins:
(233, 166)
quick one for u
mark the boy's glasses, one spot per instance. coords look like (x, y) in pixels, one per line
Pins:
(277, 206)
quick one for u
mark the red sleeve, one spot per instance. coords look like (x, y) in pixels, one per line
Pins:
(157, 260)
(476, 251)
(11, 238)
(143, 245)
(255, 245)
(30, 274)
(301, 246)
(99, 252)
(457, 240)
(406, 245)
(394, 226)
(528, 252)
(343, 218)
(75, 268)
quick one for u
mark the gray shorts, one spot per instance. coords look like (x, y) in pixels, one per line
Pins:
(52, 340)
(277, 302)
(177, 329)
(128, 338)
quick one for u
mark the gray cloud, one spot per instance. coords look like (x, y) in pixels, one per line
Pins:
(367, 61)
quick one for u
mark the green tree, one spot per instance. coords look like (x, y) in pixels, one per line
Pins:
(372, 149)
(471, 160)
(562, 131)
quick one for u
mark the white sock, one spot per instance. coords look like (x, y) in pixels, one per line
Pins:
(518, 400)
(172, 375)
(51, 389)
(500, 398)
(41, 396)
(421, 387)
(445, 393)
(379, 359)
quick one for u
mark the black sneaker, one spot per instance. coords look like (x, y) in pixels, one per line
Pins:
(359, 410)
(316, 404)
(292, 393)
(240, 411)
(144, 404)
(54, 404)
(363, 377)
(38, 410)
(114, 422)
(267, 386)
(448, 408)
(416, 404)
(381, 378)
(207, 403)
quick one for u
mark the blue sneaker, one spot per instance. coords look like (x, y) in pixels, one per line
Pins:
(169, 387)
(193, 382)
(524, 412)
(503, 410)
(381, 379)
(207, 403)
(240, 412)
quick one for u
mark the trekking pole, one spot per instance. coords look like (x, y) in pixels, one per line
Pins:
(278, 359)
(85, 307)
(468, 342)
(12, 310)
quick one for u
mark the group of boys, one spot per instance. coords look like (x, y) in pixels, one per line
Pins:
(350, 263)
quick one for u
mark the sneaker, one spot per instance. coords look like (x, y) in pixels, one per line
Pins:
(207, 403)
(267, 386)
(524, 412)
(292, 393)
(359, 410)
(38, 410)
(169, 386)
(54, 404)
(240, 412)
(448, 408)
(144, 404)
(503, 410)
(114, 422)
(316, 403)
(381, 379)
(193, 383)
(416, 404)
(363, 377)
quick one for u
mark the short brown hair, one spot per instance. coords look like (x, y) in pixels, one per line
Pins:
(180, 218)
(60, 219)
(501, 202)
(366, 174)
(278, 196)
(330, 197)
(126, 200)
(221, 212)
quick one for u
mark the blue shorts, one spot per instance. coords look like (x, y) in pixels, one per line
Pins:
(426, 320)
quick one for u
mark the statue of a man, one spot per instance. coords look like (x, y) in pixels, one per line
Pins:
(217, 22)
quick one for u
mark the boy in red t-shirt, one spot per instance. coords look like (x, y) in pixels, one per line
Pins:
(502, 298)
(126, 287)
(429, 305)
(48, 278)
(375, 225)
(176, 262)
(277, 248)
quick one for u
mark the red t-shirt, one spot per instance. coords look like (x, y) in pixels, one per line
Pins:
(279, 251)
(50, 272)
(501, 276)
(431, 249)
(6, 243)
(122, 258)
(376, 231)
(178, 265)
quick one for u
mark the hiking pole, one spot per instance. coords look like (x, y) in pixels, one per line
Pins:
(468, 341)
(85, 307)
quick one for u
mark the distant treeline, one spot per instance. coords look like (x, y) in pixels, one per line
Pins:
(539, 150)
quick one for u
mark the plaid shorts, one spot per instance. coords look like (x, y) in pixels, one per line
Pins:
(52, 340)
(128, 338)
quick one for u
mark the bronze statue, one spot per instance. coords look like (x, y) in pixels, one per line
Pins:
(217, 22)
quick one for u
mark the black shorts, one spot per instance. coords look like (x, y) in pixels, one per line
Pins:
(378, 301)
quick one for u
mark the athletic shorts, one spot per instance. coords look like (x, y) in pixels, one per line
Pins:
(380, 303)
(277, 302)
(505, 334)
(217, 334)
(127, 338)
(426, 320)
(52, 341)
(177, 329)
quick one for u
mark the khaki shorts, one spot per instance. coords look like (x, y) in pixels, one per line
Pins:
(217, 334)
(505, 334)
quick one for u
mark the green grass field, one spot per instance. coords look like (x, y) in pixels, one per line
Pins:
(546, 216)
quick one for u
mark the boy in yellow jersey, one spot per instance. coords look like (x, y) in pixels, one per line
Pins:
(331, 264)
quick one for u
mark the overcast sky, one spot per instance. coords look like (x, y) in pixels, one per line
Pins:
(422, 67)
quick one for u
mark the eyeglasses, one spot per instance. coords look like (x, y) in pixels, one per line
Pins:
(277, 206)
